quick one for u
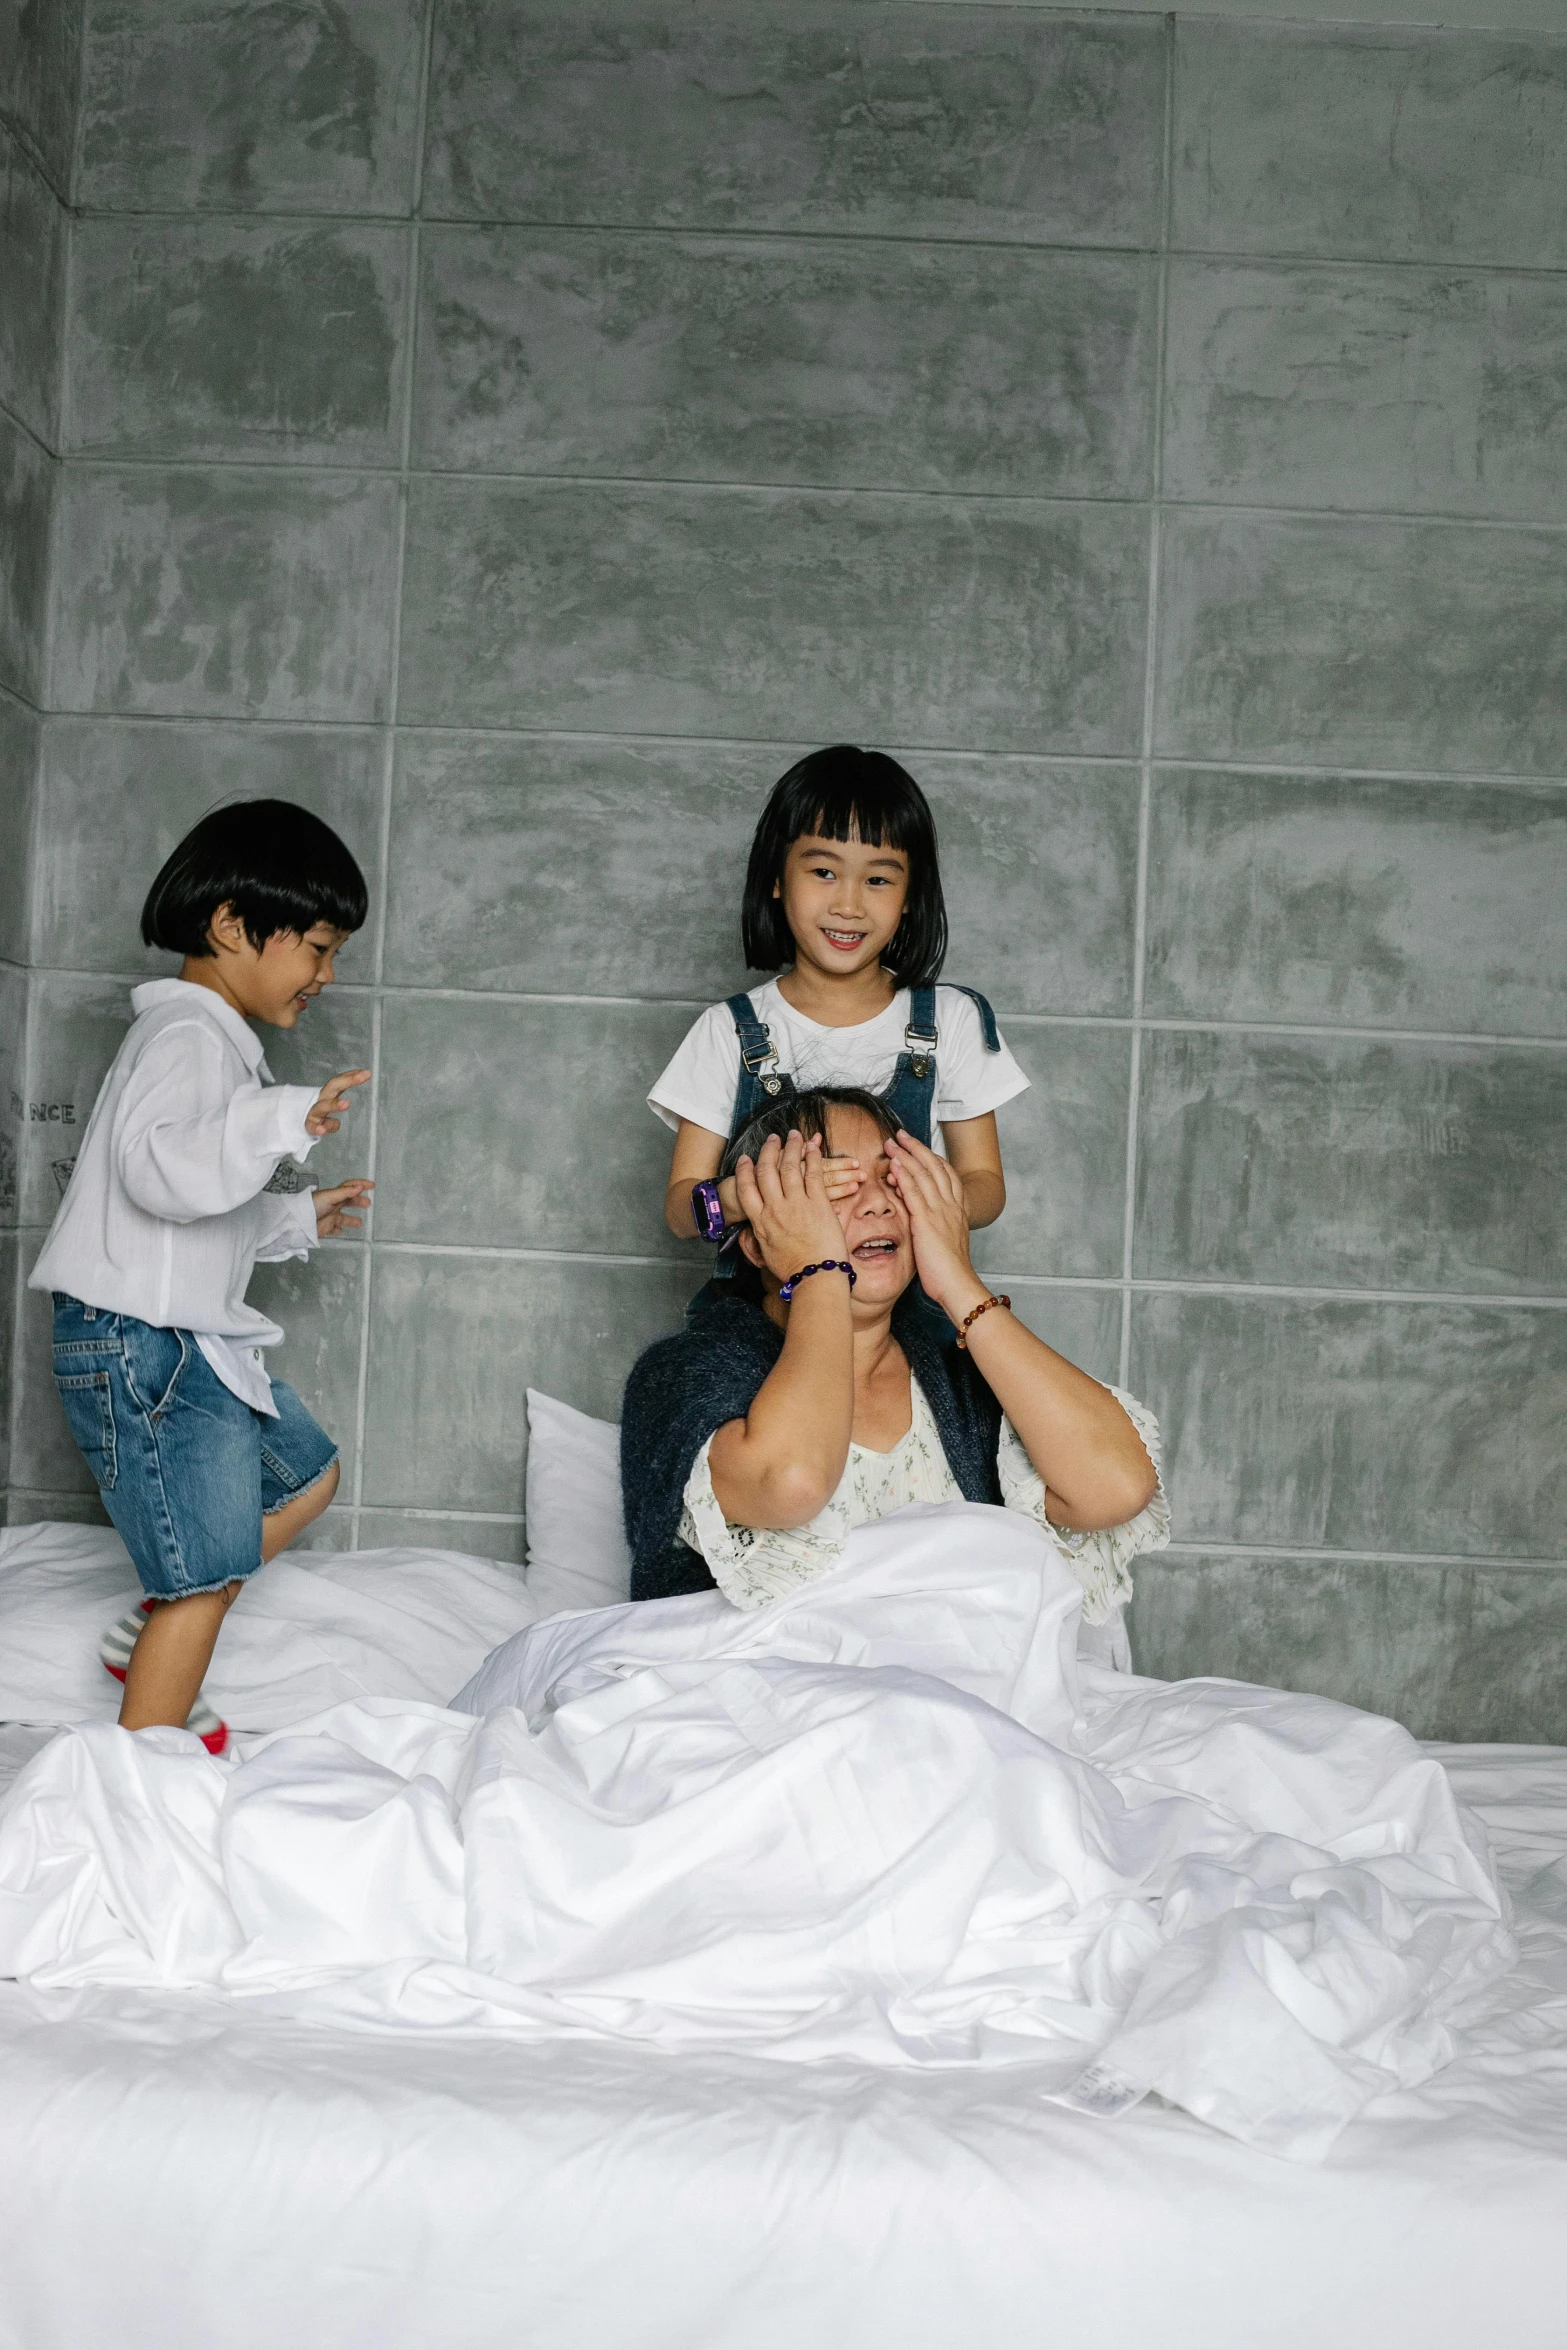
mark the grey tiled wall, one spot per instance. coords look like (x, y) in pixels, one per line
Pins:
(519, 436)
(40, 61)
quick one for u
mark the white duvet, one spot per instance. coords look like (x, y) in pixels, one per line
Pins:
(889, 1819)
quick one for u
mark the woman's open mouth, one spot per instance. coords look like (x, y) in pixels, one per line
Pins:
(869, 1249)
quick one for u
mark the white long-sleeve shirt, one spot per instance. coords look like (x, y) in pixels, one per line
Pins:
(167, 1213)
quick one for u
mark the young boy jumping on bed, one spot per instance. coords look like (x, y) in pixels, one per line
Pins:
(206, 1465)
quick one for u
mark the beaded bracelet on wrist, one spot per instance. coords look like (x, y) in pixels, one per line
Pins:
(982, 1308)
(827, 1265)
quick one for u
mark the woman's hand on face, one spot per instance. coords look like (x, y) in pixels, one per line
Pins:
(932, 1191)
(783, 1197)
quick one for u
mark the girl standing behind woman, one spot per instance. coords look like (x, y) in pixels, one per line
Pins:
(843, 899)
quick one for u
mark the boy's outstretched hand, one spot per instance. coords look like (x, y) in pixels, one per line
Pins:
(323, 1117)
(330, 1206)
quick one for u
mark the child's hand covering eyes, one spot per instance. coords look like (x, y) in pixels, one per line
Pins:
(784, 1200)
(843, 1177)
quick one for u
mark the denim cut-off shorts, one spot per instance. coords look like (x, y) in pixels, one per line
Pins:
(187, 1471)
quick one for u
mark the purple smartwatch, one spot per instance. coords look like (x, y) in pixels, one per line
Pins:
(707, 1210)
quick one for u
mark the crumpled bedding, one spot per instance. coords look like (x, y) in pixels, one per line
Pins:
(890, 1820)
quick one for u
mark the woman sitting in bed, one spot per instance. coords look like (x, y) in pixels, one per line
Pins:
(818, 1398)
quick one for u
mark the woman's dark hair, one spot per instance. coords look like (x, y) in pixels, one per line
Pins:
(844, 793)
(808, 1112)
(279, 867)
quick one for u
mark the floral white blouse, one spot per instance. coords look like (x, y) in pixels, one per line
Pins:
(752, 1565)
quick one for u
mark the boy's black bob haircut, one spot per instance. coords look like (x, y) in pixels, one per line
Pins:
(279, 867)
(844, 793)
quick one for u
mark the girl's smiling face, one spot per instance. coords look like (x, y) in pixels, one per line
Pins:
(842, 900)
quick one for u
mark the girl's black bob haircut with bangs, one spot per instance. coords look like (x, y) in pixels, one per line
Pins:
(844, 793)
(277, 866)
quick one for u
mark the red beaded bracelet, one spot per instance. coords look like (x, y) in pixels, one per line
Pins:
(969, 1319)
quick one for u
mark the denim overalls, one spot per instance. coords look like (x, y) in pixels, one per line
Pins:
(911, 1095)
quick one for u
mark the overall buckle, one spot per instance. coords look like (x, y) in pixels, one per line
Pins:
(762, 1063)
(920, 1045)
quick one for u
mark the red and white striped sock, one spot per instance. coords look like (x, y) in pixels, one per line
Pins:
(114, 1652)
(114, 1649)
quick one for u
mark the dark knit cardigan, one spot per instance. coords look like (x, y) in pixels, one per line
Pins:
(685, 1387)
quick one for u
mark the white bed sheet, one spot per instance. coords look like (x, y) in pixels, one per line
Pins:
(178, 2177)
(310, 1631)
(892, 1819)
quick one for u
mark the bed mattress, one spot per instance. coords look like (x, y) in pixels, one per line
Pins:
(179, 2176)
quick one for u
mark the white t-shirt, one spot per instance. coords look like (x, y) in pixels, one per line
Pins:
(700, 1081)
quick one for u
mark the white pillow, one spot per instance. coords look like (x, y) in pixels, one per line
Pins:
(310, 1631)
(577, 1554)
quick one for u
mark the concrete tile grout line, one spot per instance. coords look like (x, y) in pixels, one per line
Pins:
(1486, 1561)
(18, 1299)
(16, 1303)
(1139, 11)
(1136, 1026)
(79, 124)
(388, 774)
(1544, 782)
(63, 429)
(1107, 1284)
(1150, 682)
(514, 478)
(15, 135)
(465, 1517)
(1170, 1023)
(39, 443)
(1145, 1284)
(365, 1245)
(454, 224)
(65, 426)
